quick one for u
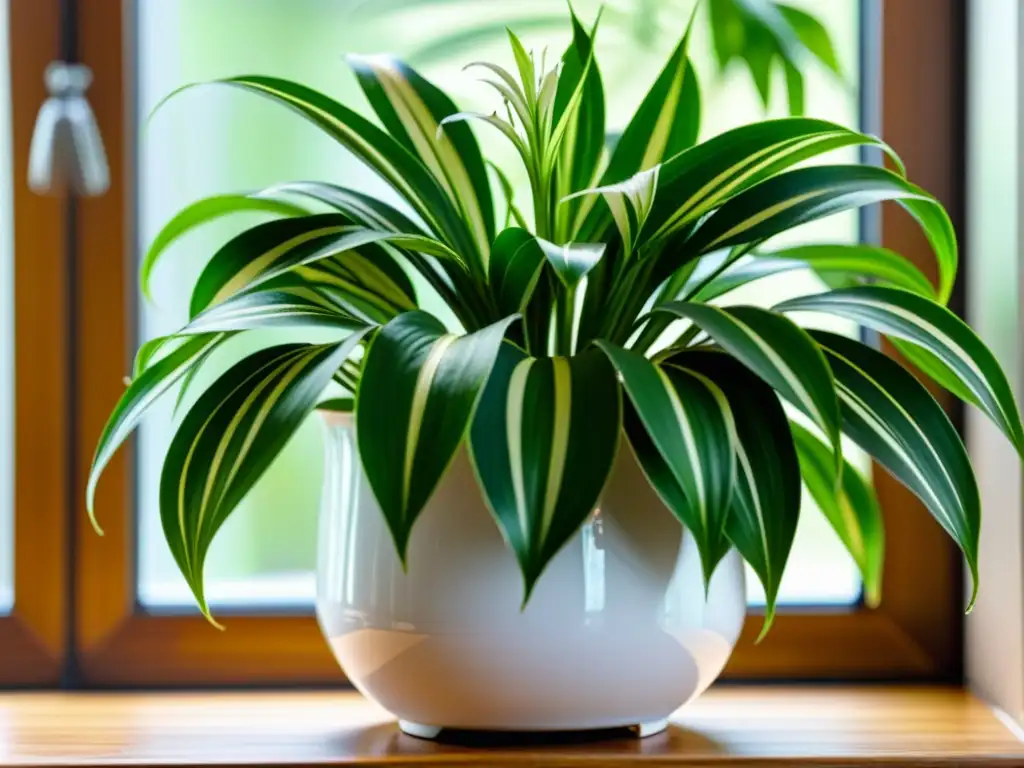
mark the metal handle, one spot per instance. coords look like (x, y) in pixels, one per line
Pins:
(67, 152)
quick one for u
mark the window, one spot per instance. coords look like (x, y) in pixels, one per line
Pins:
(200, 145)
(134, 623)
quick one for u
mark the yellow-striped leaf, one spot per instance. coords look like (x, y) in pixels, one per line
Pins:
(766, 499)
(629, 202)
(852, 509)
(297, 306)
(778, 351)
(377, 149)
(891, 415)
(207, 210)
(144, 390)
(228, 439)
(666, 122)
(417, 394)
(681, 429)
(929, 334)
(412, 109)
(798, 197)
(543, 442)
(581, 148)
(702, 178)
(329, 241)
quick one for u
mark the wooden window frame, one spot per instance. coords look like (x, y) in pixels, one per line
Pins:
(915, 634)
(33, 635)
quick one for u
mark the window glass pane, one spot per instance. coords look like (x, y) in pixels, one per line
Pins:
(213, 140)
(6, 331)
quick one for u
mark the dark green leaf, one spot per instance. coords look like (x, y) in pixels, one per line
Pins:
(204, 211)
(417, 394)
(766, 499)
(852, 509)
(516, 263)
(891, 415)
(412, 109)
(543, 442)
(681, 429)
(953, 354)
(144, 390)
(228, 439)
(778, 351)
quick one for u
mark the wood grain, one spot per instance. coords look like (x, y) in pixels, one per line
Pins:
(32, 638)
(729, 725)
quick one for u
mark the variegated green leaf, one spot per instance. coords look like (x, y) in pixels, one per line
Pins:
(144, 390)
(543, 442)
(228, 439)
(630, 203)
(778, 351)
(378, 150)
(571, 98)
(891, 415)
(583, 144)
(703, 177)
(666, 122)
(412, 109)
(798, 197)
(766, 499)
(839, 265)
(517, 260)
(953, 354)
(364, 209)
(206, 210)
(681, 428)
(329, 241)
(284, 307)
(417, 394)
(572, 261)
(852, 509)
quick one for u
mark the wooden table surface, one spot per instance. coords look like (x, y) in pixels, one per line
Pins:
(729, 725)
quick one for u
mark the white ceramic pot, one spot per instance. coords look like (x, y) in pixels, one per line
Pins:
(617, 632)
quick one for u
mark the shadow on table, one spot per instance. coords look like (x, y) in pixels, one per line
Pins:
(387, 740)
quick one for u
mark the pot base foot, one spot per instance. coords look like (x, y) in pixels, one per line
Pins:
(432, 732)
(420, 731)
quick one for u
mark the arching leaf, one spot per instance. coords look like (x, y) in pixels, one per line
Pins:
(417, 395)
(852, 509)
(778, 351)
(412, 109)
(891, 415)
(798, 197)
(204, 211)
(144, 390)
(952, 353)
(543, 442)
(228, 439)
(681, 428)
(766, 499)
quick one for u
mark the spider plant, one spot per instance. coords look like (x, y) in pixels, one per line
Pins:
(756, 33)
(600, 308)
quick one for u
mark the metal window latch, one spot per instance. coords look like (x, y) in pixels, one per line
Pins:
(67, 154)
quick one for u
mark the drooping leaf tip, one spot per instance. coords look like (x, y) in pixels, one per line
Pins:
(872, 595)
(974, 588)
(93, 521)
(213, 622)
(769, 619)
